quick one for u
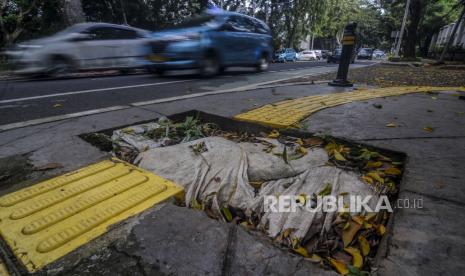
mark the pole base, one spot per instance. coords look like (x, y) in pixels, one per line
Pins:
(341, 83)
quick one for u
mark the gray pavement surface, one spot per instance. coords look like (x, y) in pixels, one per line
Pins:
(173, 240)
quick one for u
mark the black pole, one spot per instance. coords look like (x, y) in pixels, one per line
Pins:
(348, 44)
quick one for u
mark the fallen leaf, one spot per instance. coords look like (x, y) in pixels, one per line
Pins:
(57, 105)
(227, 214)
(287, 232)
(338, 156)
(371, 164)
(368, 179)
(428, 129)
(375, 176)
(392, 171)
(381, 229)
(340, 267)
(358, 219)
(312, 142)
(349, 233)
(273, 134)
(299, 142)
(364, 245)
(391, 125)
(49, 166)
(301, 251)
(434, 98)
(326, 190)
(302, 150)
(357, 259)
(315, 258)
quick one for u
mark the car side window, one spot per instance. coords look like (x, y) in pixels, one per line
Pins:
(248, 24)
(125, 34)
(101, 33)
(236, 24)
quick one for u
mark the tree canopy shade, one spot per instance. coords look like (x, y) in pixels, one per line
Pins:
(290, 20)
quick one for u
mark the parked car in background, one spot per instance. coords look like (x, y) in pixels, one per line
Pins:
(284, 55)
(335, 56)
(365, 53)
(307, 55)
(325, 53)
(85, 46)
(319, 54)
(378, 54)
(211, 42)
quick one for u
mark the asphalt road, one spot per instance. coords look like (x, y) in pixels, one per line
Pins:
(24, 100)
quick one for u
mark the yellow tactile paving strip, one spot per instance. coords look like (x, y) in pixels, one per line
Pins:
(289, 113)
(46, 221)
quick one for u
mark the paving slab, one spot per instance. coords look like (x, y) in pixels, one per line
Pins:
(180, 241)
(427, 241)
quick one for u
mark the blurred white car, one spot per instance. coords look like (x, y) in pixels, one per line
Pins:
(85, 46)
(307, 55)
(319, 54)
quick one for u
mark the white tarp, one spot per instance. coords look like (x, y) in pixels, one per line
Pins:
(222, 171)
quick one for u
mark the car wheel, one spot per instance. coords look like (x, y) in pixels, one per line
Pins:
(210, 66)
(61, 67)
(262, 64)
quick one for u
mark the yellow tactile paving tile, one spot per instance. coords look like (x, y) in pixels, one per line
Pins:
(289, 113)
(3, 269)
(46, 221)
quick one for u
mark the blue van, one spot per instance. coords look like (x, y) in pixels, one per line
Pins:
(212, 42)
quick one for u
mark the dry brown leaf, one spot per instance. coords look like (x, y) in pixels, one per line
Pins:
(391, 125)
(49, 166)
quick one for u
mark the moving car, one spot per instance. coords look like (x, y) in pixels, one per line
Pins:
(85, 46)
(335, 56)
(307, 55)
(365, 53)
(211, 42)
(284, 55)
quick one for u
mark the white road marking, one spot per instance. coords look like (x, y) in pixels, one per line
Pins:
(61, 117)
(120, 107)
(88, 91)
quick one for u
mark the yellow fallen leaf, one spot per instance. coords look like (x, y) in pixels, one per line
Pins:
(392, 171)
(273, 134)
(326, 190)
(301, 251)
(338, 156)
(358, 219)
(340, 267)
(357, 259)
(227, 214)
(287, 232)
(302, 150)
(349, 233)
(127, 130)
(381, 229)
(368, 179)
(376, 176)
(428, 129)
(434, 98)
(391, 125)
(367, 225)
(57, 105)
(315, 258)
(370, 216)
(299, 142)
(371, 164)
(364, 245)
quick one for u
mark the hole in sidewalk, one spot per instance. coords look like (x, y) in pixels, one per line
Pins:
(235, 170)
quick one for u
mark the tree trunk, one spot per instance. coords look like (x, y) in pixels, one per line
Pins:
(417, 8)
(73, 12)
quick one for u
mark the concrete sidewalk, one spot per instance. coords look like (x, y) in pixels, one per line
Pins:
(427, 241)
